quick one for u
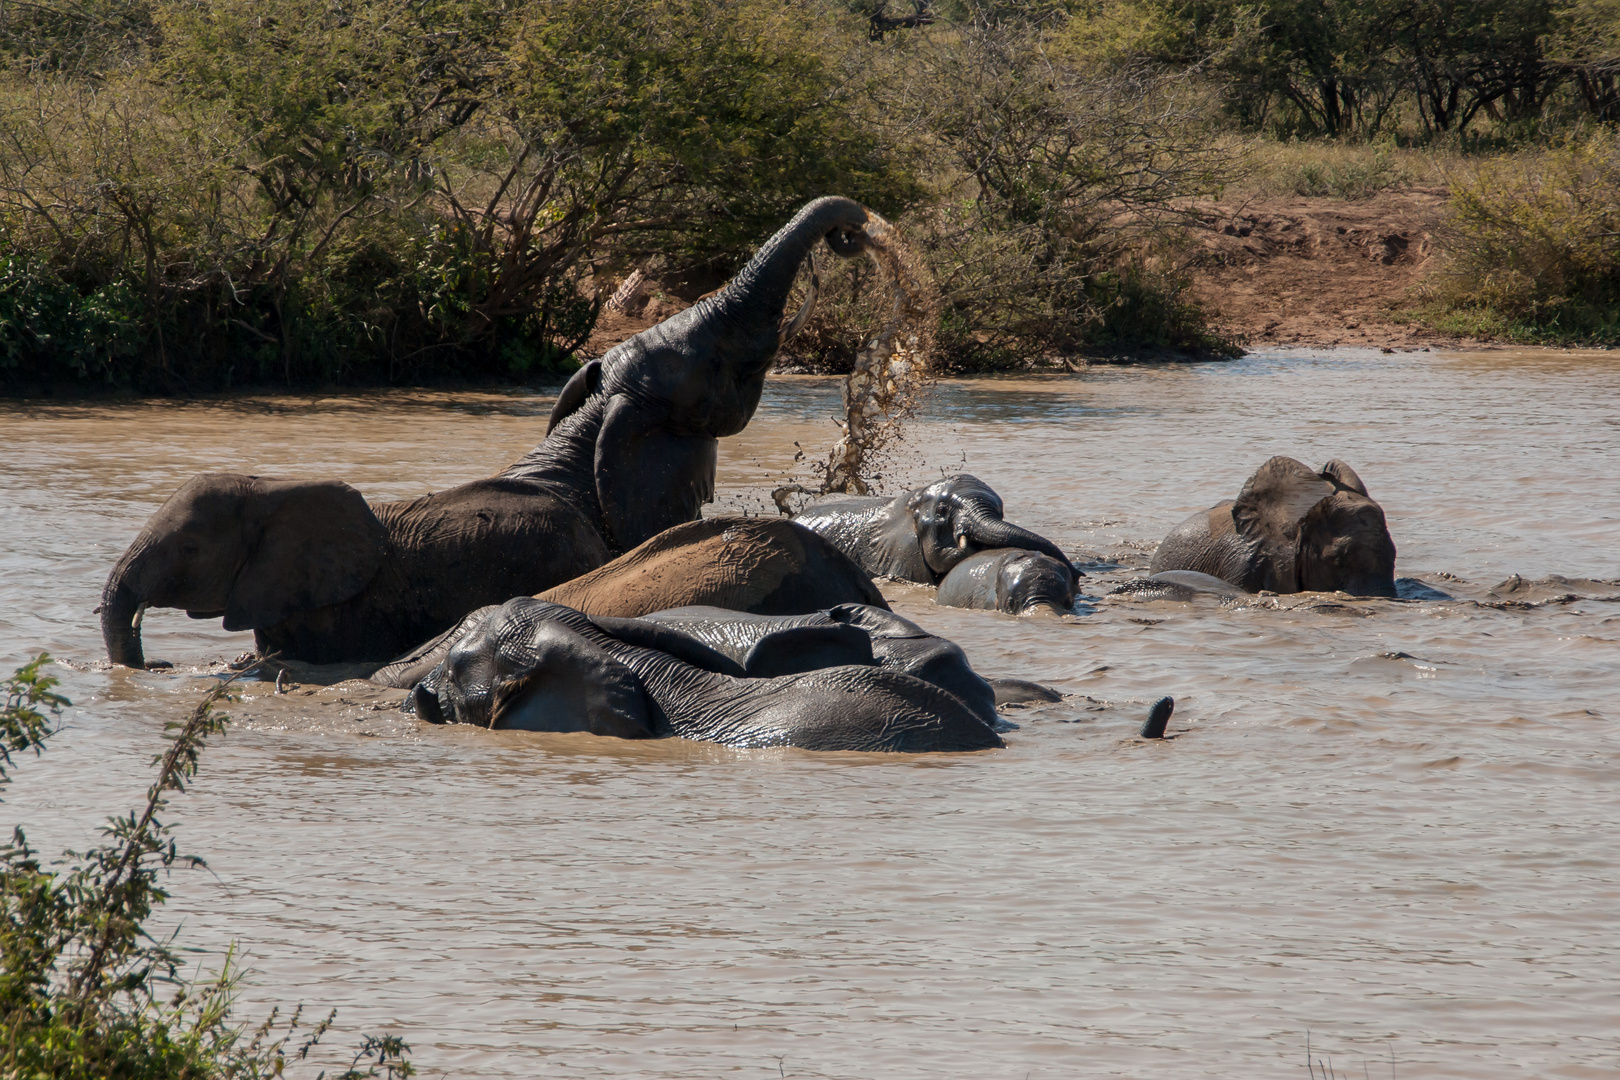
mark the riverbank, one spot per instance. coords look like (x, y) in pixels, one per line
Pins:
(1318, 272)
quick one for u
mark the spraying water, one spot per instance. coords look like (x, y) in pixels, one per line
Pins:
(891, 371)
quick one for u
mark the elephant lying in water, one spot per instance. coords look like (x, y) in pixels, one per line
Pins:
(538, 666)
(1014, 580)
(321, 576)
(766, 645)
(1289, 530)
(766, 566)
(951, 534)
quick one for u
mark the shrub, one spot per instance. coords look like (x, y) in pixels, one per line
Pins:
(86, 992)
(1533, 245)
(295, 191)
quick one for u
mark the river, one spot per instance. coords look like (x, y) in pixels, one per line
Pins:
(1389, 827)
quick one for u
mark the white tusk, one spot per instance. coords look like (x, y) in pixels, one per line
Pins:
(805, 308)
(139, 612)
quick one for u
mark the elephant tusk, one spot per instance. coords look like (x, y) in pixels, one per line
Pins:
(805, 308)
(140, 613)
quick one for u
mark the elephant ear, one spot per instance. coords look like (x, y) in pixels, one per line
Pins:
(644, 634)
(580, 386)
(310, 545)
(567, 683)
(1344, 476)
(648, 480)
(1269, 510)
(798, 649)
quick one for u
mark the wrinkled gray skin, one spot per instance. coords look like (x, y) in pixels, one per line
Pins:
(322, 577)
(1177, 585)
(1289, 530)
(882, 637)
(1012, 580)
(921, 535)
(537, 666)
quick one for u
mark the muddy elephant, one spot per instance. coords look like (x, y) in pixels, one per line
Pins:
(538, 666)
(921, 535)
(1012, 580)
(1291, 529)
(630, 450)
(765, 566)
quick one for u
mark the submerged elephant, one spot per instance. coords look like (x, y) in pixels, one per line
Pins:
(766, 645)
(321, 576)
(538, 666)
(1290, 530)
(766, 566)
(921, 535)
(1014, 580)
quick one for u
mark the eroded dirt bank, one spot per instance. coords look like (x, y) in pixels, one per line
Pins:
(1303, 271)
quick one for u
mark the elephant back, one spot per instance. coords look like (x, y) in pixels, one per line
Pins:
(766, 566)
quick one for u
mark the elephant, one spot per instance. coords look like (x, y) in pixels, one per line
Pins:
(1014, 580)
(766, 566)
(1177, 585)
(1289, 530)
(534, 665)
(880, 636)
(630, 450)
(921, 535)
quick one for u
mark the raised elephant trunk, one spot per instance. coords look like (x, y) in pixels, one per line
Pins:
(758, 293)
(987, 530)
(121, 608)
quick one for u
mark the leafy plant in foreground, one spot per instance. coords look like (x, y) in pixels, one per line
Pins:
(85, 990)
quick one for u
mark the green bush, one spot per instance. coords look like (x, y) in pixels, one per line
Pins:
(392, 190)
(86, 992)
(1533, 245)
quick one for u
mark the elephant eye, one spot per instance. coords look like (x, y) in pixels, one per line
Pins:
(190, 550)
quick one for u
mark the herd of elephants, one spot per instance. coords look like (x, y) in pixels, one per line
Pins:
(580, 589)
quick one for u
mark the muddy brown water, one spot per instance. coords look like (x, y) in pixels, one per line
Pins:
(1392, 824)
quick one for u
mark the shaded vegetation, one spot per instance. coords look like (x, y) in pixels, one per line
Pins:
(86, 991)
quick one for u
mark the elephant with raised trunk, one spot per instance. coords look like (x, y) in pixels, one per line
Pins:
(320, 576)
(1291, 529)
(537, 666)
(922, 535)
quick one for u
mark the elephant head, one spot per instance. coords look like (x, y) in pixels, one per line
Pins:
(1316, 531)
(642, 421)
(250, 549)
(960, 516)
(1014, 580)
(532, 674)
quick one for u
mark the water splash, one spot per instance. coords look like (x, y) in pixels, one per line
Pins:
(891, 371)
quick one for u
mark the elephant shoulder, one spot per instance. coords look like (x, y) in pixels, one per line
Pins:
(1209, 542)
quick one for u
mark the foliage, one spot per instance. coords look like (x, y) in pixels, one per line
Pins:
(85, 990)
(1048, 176)
(1362, 67)
(1534, 245)
(388, 190)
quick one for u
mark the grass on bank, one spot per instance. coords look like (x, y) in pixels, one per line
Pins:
(1532, 247)
(86, 991)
